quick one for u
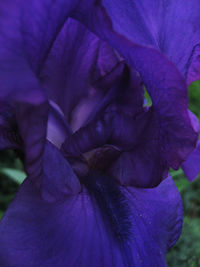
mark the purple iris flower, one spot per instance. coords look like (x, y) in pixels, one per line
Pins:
(72, 78)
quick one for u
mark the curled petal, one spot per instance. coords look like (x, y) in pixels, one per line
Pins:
(160, 24)
(27, 31)
(164, 82)
(79, 69)
(191, 166)
(193, 71)
(194, 121)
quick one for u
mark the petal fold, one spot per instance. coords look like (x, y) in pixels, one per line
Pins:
(191, 166)
(79, 69)
(163, 80)
(70, 230)
(159, 24)
(28, 30)
(58, 179)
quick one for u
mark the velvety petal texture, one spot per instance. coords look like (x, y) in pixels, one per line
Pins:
(79, 70)
(28, 29)
(22, 91)
(173, 27)
(164, 82)
(9, 136)
(60, 224)
(35, 25)
(140, 133)
(58, 219)
(194, 65)
(145, 165)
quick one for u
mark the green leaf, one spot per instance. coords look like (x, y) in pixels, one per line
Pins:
(15, 175)
(148, 99)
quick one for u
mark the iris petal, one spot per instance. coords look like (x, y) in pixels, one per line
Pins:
(160, 25)
(191, 166)
(68, 227)
(21, 47)
(57, 129)
(164, 82)
(79, 66)
(25, 37)
(9, 136)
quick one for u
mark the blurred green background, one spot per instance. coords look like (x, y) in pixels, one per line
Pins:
(187, 250)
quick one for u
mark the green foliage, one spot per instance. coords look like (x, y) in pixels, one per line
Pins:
(147, 98)
(194, 98)
(186, 253)
(7, 192)
(17, 176)
(11, 175)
